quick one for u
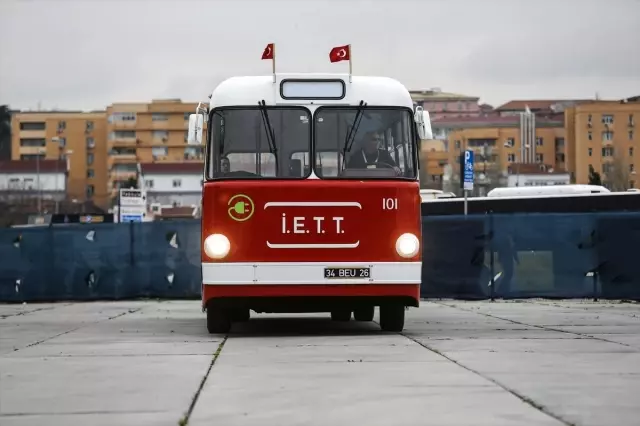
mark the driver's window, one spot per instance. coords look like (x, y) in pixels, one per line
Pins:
(262, 164)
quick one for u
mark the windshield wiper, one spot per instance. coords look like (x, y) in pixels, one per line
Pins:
(271, 137)
(352, 132)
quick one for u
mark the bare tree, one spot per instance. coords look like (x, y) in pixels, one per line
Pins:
(618, 172)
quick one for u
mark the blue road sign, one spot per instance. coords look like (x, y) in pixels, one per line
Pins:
(131, 218)
(468, 170)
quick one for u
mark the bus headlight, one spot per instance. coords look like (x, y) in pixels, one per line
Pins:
(407, 245)
(216, 246)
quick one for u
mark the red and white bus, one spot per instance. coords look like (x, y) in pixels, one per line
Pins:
(302, 209)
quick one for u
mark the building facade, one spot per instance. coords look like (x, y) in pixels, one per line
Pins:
(77, 138)
(29, 180)
(172, 184)
(498, 143)
(605, 135)
(446, 105)
(147, 133)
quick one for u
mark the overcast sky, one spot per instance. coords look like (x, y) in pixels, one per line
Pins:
(86, 54)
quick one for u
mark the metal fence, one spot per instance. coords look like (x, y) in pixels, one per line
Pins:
(476, 257)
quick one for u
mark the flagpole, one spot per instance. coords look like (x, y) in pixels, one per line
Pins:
(350, 68)
(273, 63)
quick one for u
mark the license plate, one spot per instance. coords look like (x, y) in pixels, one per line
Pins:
(346, 273)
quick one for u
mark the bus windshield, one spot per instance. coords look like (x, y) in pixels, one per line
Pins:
(244, 143)
(379, 143)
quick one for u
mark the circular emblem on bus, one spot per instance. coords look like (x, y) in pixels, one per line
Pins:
(240, 207)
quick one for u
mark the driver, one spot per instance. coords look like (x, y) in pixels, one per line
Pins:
(370, 155)
(225, 167)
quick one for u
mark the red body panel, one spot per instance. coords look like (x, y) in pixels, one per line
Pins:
(374, 228)
(408, 290)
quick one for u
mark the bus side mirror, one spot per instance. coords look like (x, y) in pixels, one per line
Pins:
(194, 134)
(423, 123)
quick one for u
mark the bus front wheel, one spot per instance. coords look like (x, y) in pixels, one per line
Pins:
(218, 320)
(392, 317)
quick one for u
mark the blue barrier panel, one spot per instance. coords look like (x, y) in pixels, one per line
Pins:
(618, 247)
(25, 263)
(166, 259)
(472, 257)
(543, 255)
(453, 257)
(91, 262)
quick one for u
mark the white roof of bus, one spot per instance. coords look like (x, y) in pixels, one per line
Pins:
(378, 91)
(554, 189)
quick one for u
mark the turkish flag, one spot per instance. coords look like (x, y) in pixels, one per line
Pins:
(268, 52)
(340, 53)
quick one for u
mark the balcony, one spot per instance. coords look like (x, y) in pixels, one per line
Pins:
(121, 159)
(32, 134)
(122, 175)
(123, 142)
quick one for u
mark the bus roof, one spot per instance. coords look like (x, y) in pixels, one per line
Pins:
(547, 190)
(375, 91)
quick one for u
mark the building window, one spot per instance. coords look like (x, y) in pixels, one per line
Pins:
(607, 119)
(186, 115)
(457, 144)
(510, 142)
(122, 134)
(631, 120)
(89, 159)
(90, 191)
(161, 135)
(539, 158)
(559, 142)
(91, 143)
(159, 151)
(62, 142)
(148, 183)
(177, 183)
(33, 126)
(186, 135)
(590, 152)
(630, 135)
(90, 173)
(631, 168)
(590, 136)
(511, 158)
(88, 126)
(33, 142)
(122, 116)
(631, 152)
(62, 125)
(589, 118)
(607, 167)
(607, 152)
(607, 136)
(159, 117)
(24, 157)
(539, 141)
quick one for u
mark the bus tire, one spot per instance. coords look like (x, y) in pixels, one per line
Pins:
(341, 315)
(364, 313)
(240, 315)
(392, 318)
(218, 320)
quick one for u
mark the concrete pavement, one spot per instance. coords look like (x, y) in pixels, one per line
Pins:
(457, 363)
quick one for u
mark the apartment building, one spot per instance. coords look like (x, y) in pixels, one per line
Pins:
(152, 132)
(446, 105)
(605, 135)
(74, 136)
(499, 143)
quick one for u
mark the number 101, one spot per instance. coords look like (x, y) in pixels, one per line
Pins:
(389, 204)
